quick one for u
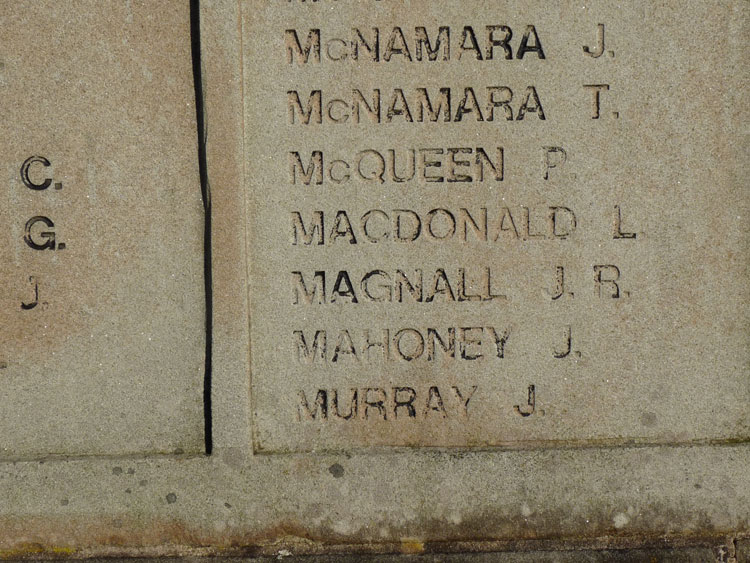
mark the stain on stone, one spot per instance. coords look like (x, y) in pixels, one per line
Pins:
(117, 470)
(648, 419)
(64, 502)
(621, 520)
(143, 482)
(336, 470)
(131, 471)
(171, 498)
(411, 546)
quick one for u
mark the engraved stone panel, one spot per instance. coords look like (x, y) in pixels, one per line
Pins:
(525, 335)
(102, 305)
(479, 225)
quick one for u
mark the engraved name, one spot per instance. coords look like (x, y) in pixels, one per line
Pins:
(487, 43)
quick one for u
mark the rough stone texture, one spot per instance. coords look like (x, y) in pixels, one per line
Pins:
(645, 197)
(102, 341)
(688, 498)
(684, 555)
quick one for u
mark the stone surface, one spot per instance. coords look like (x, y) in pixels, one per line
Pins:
(504, 241)
(683, 487)
(680, 555)
(102, 341)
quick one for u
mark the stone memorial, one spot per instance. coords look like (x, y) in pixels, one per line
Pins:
(530, 279)
(103, 301)
(375, 277)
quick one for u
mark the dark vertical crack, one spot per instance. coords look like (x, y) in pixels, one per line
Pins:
(195, 42)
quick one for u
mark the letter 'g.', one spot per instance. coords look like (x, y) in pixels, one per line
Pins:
(43, 240)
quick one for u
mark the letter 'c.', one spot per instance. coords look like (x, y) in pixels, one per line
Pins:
(25, 173)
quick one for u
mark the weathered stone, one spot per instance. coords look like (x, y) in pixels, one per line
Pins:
(679, 555)
(654, 459)
(102, 309)
(467, 229)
